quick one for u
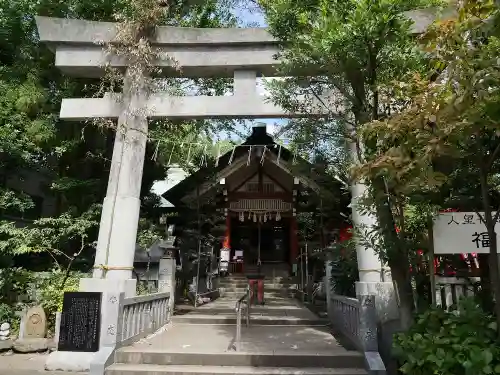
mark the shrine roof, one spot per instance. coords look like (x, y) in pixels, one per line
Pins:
(259, 137)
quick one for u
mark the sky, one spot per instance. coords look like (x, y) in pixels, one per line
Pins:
(256, 19)
(250, 17)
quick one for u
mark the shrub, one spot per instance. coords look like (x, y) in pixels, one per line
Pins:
(344, 268)
(14, 285)
(459, 342)
(6, 313)
(14, 295)
(51, 294)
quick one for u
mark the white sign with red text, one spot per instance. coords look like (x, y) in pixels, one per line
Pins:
(461, 232)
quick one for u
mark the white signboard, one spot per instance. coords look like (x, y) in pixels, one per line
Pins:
(461, 232)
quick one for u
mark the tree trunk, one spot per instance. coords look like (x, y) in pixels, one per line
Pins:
(397, 258)
(486, 293)
(404, 290)
(490, 226)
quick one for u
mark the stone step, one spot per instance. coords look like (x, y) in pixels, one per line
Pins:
(127, 369)
(277, 279)
(244, 284)
(267, 288)
(256, 309)
(338, 358)
(254, 320)
(277, 293)
(267, 295)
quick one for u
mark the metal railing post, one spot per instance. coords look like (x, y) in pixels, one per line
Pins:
(243, 299)
(238, 330)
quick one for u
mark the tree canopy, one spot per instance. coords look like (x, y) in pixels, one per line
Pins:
(71, 160)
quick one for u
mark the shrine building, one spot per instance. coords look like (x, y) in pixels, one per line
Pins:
(259, 188)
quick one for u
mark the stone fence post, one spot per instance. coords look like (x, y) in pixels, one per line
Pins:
(166, 277)
(368, 323)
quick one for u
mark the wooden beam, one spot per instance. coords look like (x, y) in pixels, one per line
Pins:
(261, 182)
(234, 196)
(244, 181)
(277, 182)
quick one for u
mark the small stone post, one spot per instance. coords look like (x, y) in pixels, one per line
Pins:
(166, 277)
(368, 323)
(328, 284)
(57, 332)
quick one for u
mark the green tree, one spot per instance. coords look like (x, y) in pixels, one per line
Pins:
(75, 157)
(445, 137)
(344, 50)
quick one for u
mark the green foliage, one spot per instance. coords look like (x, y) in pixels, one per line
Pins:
(344, 268)
(141, 289)
(20, 289)
(6, 313)
(354, 45)
(148, 234)
(51, 292)
(458, 342)
(16, 290)
(14, 282)
(441, 147)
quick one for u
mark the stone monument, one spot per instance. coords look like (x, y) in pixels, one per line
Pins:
(35, 325)
(32, 331)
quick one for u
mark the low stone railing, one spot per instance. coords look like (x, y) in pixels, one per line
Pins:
(127, 320)
(344, 314)
(449, 290)
(142, 316)
(356, 319)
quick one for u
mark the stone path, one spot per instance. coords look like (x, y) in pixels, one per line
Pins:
(283, 338)
(276, 311)
(210, 338)
(26, 364)
(199, 330)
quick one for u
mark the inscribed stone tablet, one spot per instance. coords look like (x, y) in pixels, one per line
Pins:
(80, 322)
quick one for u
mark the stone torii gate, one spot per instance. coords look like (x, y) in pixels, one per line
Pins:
(243, 53)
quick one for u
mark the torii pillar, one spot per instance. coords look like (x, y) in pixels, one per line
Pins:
(116, 244)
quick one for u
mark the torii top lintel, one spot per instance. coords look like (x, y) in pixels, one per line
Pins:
(241, 53)
(200, 52)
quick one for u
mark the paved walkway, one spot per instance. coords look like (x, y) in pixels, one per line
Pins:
(26, 364)
(210, 338)
(276, 311)
(283, 338)
(281, 325)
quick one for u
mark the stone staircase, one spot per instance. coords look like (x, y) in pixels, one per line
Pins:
(283, 338)
(277, 283)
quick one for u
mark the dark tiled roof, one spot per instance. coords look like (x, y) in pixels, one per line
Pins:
(259, 136)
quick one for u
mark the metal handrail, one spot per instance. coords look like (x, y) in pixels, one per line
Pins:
(245, 301)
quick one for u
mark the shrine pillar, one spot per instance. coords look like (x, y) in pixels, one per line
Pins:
(225, 252)
(226, 243)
